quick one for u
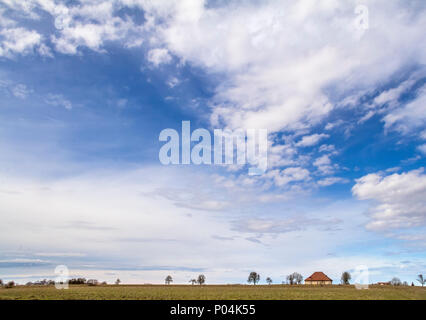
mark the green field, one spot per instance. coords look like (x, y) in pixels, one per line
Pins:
(214, 292)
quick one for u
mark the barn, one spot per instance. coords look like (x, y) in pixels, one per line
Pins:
(318, 278)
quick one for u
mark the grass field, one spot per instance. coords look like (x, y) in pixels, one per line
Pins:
(213, 292)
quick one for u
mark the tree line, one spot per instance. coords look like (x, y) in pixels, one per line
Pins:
(254, 278)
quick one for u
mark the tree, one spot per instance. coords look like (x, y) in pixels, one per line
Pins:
(193, 281)
(412, 284)
(1, 282)
(346, 276)
(10, 284)
(77, 281)
(168, 279)
(269, 280)
(405, 283)
(294, 278)
(395, 281)
(298, 277)
(201, 279)
(117, 282)
(421, 279)
(253, 277)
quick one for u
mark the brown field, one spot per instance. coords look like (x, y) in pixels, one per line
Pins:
(213, 292)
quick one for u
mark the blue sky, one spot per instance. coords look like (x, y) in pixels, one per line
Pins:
(86, 88)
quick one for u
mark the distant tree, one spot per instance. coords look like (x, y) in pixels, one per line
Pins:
(346, 276)
(117, 282)
(10, 284)
(395, 281)
(268, 280)
(253, 277)
(193, 281)
(405, 283)
(168, 279)
(77, 281)
(412, 284)
(201, 279)
(104, 283)
(294, 278)
(298, 278)
(92, 282)
(421, 279)
(1, 282)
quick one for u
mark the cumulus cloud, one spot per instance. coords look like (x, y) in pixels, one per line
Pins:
(159, 56)
(324, 164)
(399, 199)
(309, 141)
(20, 41)
(276, 65)
(288, 175)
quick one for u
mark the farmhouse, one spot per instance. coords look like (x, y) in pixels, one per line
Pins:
(318, 278)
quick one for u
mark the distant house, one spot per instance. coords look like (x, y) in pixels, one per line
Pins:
(383, 283)
(318, 278)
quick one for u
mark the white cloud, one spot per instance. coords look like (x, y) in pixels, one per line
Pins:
(332, 125)
(309, 141)
(409, 117)
(58, 100)
(20, 91)
(278, 57)
(400, 199)
(288, 175)
(331, 180)
(173, 82)
(422, 148)
(324, 164)
(19, 41)
(327, 148)
(159, 56)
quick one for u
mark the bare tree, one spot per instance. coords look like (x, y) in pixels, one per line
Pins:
(201, 279)
(298, 277)
(294, 278)
(253, 277)
(193, 281)
(395, 281)
(117, 282)
(268, 280)
(168, 279)
(346, 276)
(290, 279)
(421, 279)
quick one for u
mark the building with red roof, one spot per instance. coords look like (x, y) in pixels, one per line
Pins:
(318, 278)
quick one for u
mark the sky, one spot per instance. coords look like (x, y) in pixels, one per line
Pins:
(86, 87)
